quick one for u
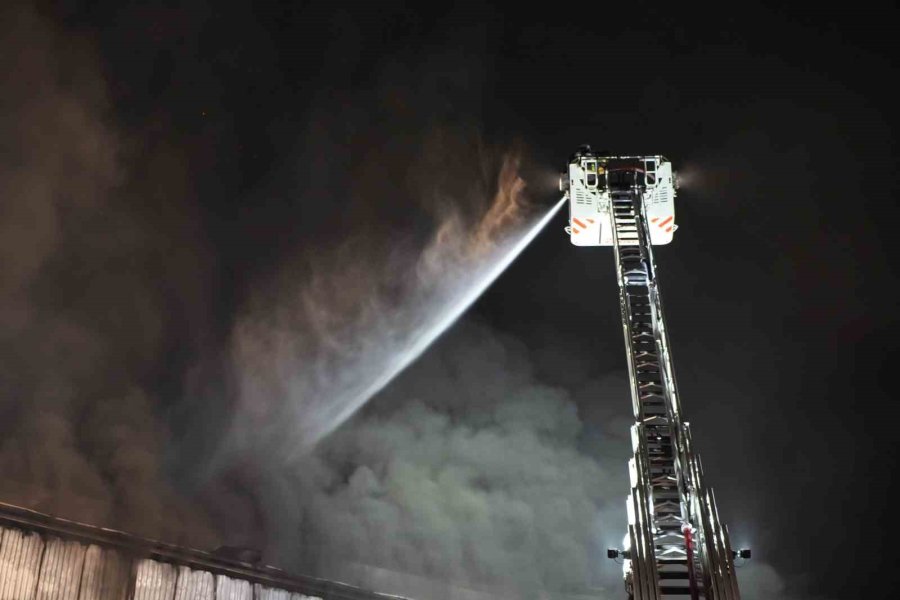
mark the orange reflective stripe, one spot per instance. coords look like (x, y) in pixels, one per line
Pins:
(579, 223)
(667, 221)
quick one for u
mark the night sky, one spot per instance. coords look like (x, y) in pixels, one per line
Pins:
(779, 287)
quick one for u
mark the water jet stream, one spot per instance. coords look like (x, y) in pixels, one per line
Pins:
(429, 331)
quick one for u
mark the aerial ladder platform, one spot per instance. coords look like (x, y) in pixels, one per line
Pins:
(675, 546)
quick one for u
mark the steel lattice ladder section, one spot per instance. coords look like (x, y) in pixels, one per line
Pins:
(678, 549)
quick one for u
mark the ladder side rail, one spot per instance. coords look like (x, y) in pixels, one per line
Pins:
(636, 585)
(720, 561)
(647, 546)
(641, 539)
(727, 564)
(625, 312)
(716, 572)
(645, 581)
(711, 555)
(673, 398)
(730, 561)
(648, 515)
(662, 338)
(710, 583)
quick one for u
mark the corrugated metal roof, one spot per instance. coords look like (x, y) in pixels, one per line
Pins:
(266, 593)
(195, 585)
(60, 570)
(20, 564)
(232, 589)
(154, 580)
(111, 565)
(105, 576)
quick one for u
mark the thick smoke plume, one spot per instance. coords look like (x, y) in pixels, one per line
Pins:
(469, 475)
(85, 248)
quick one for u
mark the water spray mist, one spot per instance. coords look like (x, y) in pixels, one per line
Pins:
(312, 360)
(441, 317)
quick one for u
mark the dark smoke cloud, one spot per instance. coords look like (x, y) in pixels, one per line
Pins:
(93, 258)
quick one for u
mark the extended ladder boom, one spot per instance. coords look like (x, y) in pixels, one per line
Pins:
(676, 546)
